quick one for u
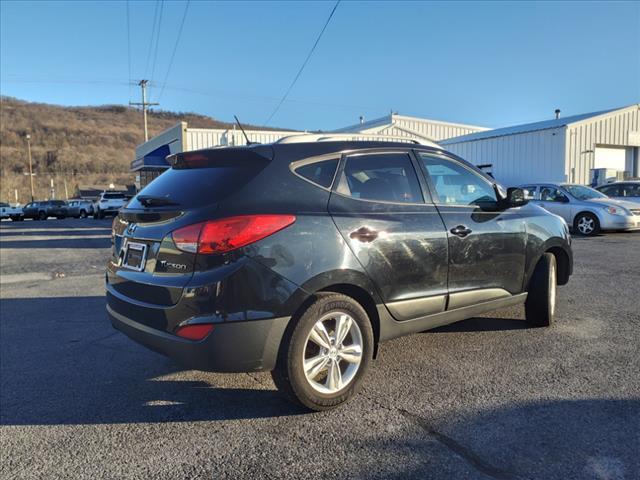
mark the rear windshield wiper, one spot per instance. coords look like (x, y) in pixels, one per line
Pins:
(150, 201)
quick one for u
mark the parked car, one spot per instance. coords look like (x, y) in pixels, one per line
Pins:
(300, 258)
(628, 191)
(31, 210)
(14, 213)
(585, 208)
(109, 203)
(45, 209)
(80, 208)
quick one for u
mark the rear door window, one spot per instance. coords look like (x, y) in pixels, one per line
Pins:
(630, 190)
(611, 190)
(385, 177)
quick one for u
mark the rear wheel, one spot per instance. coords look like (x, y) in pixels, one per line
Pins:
(324, 359)
(83, 214)
(586, 224)
(540, 307)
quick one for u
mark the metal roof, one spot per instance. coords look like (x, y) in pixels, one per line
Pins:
(527, 127)
(391, 120)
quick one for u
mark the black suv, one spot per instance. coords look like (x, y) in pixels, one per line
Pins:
(300, 258)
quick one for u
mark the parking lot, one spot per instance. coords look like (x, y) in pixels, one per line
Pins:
(485, 398)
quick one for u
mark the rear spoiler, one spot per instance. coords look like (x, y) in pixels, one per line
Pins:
(220, 156)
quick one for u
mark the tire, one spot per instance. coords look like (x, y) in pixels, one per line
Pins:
(318, 392)
(586, 224)
(541, 299)
(42, 216)
(83, 214)
(99, 214)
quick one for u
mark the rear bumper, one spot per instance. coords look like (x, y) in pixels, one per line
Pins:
(230, 347)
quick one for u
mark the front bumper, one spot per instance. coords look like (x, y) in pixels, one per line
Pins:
(619, 222)
(230, 347)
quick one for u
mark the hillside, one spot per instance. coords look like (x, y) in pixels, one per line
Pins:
(79, 145)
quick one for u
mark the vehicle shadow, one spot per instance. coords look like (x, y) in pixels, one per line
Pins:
(483, 324)
(550, 439)
(74, 243)
(63, 363)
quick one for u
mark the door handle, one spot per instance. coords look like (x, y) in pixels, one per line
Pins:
(364, 234)
(460, 231)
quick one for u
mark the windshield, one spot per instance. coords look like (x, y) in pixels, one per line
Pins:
(583, 193)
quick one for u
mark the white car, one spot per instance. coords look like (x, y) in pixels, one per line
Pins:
(14, 213)
(109, 203)
(584, 209)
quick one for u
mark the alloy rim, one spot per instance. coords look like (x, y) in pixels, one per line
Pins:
(332, 353)
(586, 225)
(552, 289)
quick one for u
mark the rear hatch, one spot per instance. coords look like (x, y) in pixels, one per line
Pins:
(146, 264)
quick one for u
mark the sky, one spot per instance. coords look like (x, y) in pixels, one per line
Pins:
(483, 63)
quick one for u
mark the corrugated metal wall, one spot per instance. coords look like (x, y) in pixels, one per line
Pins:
(433, 130)
(412, 127)
(197, 138)
(517, 159)
(584, 137)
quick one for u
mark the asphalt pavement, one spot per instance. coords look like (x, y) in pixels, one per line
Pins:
(485, 398)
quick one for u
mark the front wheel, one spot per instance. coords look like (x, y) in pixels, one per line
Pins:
(586, 224)
(323, 360)
(540, 307)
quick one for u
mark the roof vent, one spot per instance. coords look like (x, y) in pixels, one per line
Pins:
(557, 113)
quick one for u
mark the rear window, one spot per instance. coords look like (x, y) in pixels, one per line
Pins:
(197, 187)
(113, 195)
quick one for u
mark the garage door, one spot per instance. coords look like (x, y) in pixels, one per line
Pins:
(610, 157)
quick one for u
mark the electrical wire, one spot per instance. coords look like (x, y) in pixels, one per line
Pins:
(175, 48)
(304, 64)
(155, 55)
(153, 34)
(129, 48)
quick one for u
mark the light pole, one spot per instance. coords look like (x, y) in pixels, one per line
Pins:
(28, 137)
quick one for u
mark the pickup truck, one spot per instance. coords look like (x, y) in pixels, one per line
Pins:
(14, 213)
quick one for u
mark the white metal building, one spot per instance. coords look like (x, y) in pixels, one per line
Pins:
(412, 127)
(150, 156)
(558, 150)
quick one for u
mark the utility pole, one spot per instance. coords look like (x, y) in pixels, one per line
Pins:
(144, 104)
(28, 137)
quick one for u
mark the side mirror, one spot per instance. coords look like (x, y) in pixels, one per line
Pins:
(515, 197)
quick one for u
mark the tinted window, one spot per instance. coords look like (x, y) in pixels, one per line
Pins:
(58, 203)
(2, 204)
(529, 192)
(611, 190)
(386, 177)
(320, 173)
(630, 190)
(552, 194)
(113, 195)
(196, 187)
(456, 184)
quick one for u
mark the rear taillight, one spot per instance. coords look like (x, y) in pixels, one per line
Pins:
(221, 236)
(195, 332)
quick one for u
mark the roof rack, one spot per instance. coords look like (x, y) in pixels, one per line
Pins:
(353, 137)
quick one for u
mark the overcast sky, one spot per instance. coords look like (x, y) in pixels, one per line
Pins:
(485, 63)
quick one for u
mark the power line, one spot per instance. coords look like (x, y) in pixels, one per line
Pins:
(155, 55)
(153, 34)
(129, 47)
(175, 48)
(304, 64)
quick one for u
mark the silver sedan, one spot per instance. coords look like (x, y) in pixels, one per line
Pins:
(583, 208)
